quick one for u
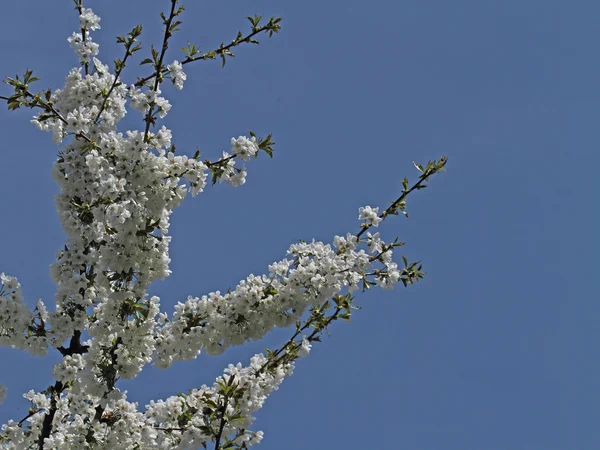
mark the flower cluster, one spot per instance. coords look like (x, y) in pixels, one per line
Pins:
(313, 273)
(117, 193)
(82, 42)
(89, 20)
(85, 49)
(236, 395)
(178, 76)
(244, 148)
(369, 215)
(141, 101)
(19, 327)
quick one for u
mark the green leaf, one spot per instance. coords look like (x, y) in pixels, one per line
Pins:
(136, 31)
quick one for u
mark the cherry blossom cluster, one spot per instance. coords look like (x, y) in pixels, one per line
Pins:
(82, 44)
(313, 273)
(19, 327)
(369, 215)
(178, 76)
(185, 421)
(237, 394)
(123, 427)
(117, 193)
(244, 148)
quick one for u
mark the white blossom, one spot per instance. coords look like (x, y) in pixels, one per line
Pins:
(370, 215)
(84, 49)
(244, 148)
(304, 347)
(118, 191)
(89, 20)
(178, 76)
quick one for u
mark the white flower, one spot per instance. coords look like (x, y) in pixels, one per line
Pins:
(236, 179)
(345, 244)
(304, 348)
(374, 242)
(370, 215)
(163, 138)
(115, 202)
(139, 100)
(102, 69)
(89, 20)
(244, 148)
(83, 49)
(178, 76)
(163, 105)
(257, 436)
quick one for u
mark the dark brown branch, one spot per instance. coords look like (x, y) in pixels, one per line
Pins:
(49, 108)
(79, 8)
(32, 413)
(55, 392)
(214, 53)
(158, 68)
(75, 346)
(114, 85)
(223, 412)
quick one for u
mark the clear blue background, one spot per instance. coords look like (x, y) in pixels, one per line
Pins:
(497, 348)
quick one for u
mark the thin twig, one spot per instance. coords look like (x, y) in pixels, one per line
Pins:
(29, 415)
(158, 67)
(394, 206)
(83, 33)
(113, 86)
(209, 55)
(223, 412)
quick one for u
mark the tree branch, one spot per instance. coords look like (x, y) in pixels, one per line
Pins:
(223, 412)
(79, 8)
(158, 67)
(222, 50)
(432, 168)
(120, 64)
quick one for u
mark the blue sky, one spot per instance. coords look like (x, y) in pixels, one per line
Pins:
(497, 348)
